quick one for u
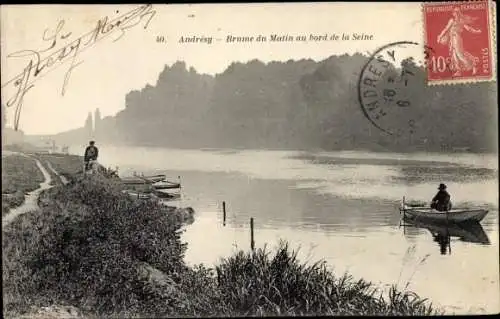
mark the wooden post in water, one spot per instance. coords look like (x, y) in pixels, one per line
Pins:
(448, 239)
(402, 219)
(180, 188)
(224, 213)
(252, 242)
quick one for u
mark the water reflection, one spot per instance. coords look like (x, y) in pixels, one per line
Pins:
(471, 232)
(443, 239)
(412, 171)
(345, 208)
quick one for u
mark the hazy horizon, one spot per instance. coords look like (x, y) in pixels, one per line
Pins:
(99, 82)
(169, 65)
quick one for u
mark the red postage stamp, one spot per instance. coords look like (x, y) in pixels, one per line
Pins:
(458, 41)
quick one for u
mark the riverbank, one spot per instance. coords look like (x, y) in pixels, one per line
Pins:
(20, 175)
(91, 247)
(23, 173)
(69, 167)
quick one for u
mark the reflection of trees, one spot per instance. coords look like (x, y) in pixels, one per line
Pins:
(273, 203)
(443, 172)
(412, 171)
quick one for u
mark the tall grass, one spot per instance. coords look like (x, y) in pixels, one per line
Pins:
(91, 247)
(258, 284)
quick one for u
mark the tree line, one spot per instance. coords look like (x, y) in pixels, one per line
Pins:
(297, 104)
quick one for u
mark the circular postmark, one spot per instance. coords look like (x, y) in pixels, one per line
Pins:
(389, 85)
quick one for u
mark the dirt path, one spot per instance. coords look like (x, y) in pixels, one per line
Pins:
(31, 199)
(63, 179)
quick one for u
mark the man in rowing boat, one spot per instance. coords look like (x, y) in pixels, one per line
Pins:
(91, 153)
(442, 200)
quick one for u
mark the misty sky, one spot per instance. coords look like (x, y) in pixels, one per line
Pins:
(110, 69)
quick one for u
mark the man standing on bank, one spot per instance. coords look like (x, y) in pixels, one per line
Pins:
(91, 153)
(442, 200)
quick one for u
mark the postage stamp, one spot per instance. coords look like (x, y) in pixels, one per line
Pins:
(460, 37)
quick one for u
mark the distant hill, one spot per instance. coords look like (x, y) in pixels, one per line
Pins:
(295, 105)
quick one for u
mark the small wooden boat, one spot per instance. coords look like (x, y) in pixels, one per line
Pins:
(166, 195)
(456, 215)
(138, 195)
(132, 180)
(166, 185)
(152, 186)
(155, 178)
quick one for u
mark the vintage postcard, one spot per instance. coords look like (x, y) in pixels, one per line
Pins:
(258, 159)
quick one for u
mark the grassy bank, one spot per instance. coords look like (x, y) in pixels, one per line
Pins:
(92, 247)
(20, 175)
(69, 166)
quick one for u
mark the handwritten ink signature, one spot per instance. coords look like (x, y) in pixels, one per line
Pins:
(37, 68)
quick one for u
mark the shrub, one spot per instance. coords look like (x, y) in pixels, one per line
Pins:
(256, 284)
(12, 200)
(87, 247)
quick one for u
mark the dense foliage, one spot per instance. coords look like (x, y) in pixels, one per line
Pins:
(296, 104)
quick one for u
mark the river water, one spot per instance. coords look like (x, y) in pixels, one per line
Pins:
(341, 207)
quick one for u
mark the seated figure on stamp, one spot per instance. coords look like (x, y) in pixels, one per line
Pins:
(451, 35)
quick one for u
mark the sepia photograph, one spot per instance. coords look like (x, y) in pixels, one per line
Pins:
(249, 159)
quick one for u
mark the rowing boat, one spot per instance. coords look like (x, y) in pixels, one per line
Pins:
(152, 186)
(456, 215)
(131, 180)
(155, 178)
(166, 185)
(138, 195)
(167, 196)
